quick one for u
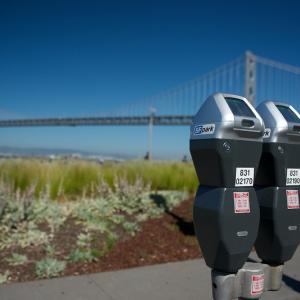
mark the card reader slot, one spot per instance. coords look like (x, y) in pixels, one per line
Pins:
(296, 128)
(247, 123)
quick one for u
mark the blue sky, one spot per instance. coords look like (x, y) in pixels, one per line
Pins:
(77, 58)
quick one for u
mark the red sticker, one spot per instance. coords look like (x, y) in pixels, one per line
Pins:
(241, 202)
(257, 284)
(292, 199)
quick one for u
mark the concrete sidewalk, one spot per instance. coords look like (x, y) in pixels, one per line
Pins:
(189, 280)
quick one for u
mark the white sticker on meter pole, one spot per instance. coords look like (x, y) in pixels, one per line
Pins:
(244, 177)
(257, 284)
(293, 177)
(292, 199)
(241, 202)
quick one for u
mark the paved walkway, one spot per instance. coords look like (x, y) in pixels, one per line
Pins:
(189, 280)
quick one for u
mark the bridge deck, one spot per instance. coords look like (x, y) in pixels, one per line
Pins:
(95, 121)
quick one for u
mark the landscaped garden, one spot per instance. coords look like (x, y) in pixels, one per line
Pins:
(73, 217)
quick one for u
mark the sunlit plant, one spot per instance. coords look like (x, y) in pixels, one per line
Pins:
(17, 259)
(49, 267)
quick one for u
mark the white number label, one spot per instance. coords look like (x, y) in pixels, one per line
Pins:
(293, 177)
(244, 177)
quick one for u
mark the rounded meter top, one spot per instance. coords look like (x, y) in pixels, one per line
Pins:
(282, 122)
(227, 116)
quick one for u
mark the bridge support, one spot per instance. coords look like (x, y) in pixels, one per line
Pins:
(150, 132)
(250, 77)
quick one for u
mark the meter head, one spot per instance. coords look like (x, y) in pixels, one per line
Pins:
(282, 122)
(227, 116)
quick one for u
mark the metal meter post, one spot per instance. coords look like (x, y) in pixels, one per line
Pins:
(226, 145)
(277, 185)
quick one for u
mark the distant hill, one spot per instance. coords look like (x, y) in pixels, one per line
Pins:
(41, 152)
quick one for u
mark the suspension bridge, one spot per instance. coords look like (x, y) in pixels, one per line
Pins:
(255, 77)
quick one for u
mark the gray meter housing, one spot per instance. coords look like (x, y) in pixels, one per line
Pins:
(281, 144)
(226, 133)
(226, 237)
(226, 144)
(277, 183)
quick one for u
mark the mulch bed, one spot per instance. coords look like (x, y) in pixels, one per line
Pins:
(169, 238)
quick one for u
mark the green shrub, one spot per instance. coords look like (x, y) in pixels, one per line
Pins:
(17, 259)
(79, 255)
(4, 277)
(49, 267)
(130, 227)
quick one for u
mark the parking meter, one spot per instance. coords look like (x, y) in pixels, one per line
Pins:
(278, 184)
(226, 144)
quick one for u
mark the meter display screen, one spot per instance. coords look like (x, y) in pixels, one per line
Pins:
(239, 107)
(288, 114)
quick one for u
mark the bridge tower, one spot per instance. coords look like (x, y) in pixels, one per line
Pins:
(152, 111)
(250, 76)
